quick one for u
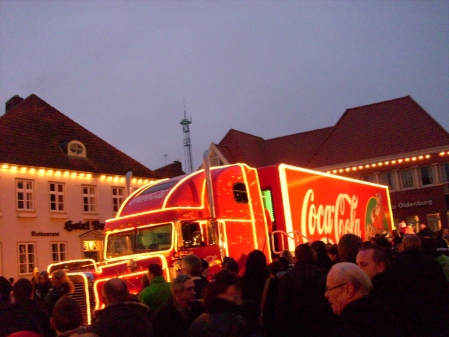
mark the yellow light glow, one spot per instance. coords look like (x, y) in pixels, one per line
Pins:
(367, 165)
(73, 174)
(81, 174)
(340, 170)
(442, 153)
(387, 163)
(41, 171)
(373, 165)
(58, 173)
(14, 168)
(379, 164)
(347, 169)
(23, 169)
(413, 158)
(407, 159)
(360, 167)
(32, 170)
(109, 178)
(420, 157)
(102, 176)
(88, 175)
(354, 168)
(393, 161)
(400, 161)
(66, 173)
(5, 166)
(427, 156)
(334, 171)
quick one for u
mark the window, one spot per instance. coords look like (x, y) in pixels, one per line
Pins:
(369, 178)
(153, 238)
(426, 175)
(268, 203)
(240, 194)
(407, 178)
(25, 194)
(27, 258)
(59, 251)
(56, 197)
(387, 178)
(89, 199)
(76, 149)
(445, 172)
(117, 198)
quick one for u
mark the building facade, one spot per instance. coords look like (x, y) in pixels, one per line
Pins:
(395, 143)
(58, 185)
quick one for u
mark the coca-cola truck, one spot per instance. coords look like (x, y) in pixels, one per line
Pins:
(227, 211)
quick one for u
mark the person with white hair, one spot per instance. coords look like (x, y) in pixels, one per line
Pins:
(347, 289)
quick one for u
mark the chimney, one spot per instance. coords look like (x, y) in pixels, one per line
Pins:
(12, 102)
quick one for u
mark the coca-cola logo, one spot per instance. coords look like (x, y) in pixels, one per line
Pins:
(327, 220)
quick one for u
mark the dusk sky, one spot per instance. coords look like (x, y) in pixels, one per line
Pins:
(123, 69)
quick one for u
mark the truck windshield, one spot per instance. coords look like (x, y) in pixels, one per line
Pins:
(147, 239)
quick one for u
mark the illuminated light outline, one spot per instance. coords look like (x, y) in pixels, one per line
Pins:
(286, 201)
(86, 292)
(263, 212)
(124, 262)
(250, 204)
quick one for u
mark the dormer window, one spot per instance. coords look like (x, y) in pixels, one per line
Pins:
(76, 149)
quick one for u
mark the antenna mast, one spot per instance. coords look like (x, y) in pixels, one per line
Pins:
(187, 146)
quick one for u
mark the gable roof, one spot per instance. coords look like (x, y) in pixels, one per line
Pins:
(33, 133)
(296, 149)
(380, 130)
(365, 133)
(242, 148)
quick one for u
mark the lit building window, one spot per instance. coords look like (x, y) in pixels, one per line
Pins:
(59, 251)
(27, 258)
(25, 194)
(117, 197)
(57, 197)
(89, 199)
(407, 178)
(426, 175)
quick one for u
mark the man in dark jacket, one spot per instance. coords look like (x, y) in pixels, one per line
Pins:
(422, 279)
(175, 318)
(301, 309)
(23, 293)
(348, 289)
(375, 261)
(121, 317)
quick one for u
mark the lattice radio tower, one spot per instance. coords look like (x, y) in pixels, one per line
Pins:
(187, 146)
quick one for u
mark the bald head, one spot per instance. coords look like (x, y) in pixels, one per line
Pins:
(115, 291)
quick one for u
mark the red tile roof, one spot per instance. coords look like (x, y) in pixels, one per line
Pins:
(294, 149)
(32, 134)
(171, 170)
(380, 130)
(373, 131)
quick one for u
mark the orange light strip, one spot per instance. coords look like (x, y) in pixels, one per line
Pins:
(73, 174)
(388, 162)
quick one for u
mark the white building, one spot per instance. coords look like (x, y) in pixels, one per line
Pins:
(58, 185)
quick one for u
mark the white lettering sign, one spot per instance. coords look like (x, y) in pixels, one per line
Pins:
(340, 218)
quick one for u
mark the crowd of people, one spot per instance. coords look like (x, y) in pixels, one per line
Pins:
(395, 286)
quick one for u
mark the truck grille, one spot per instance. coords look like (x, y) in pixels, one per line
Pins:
(83, 295)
